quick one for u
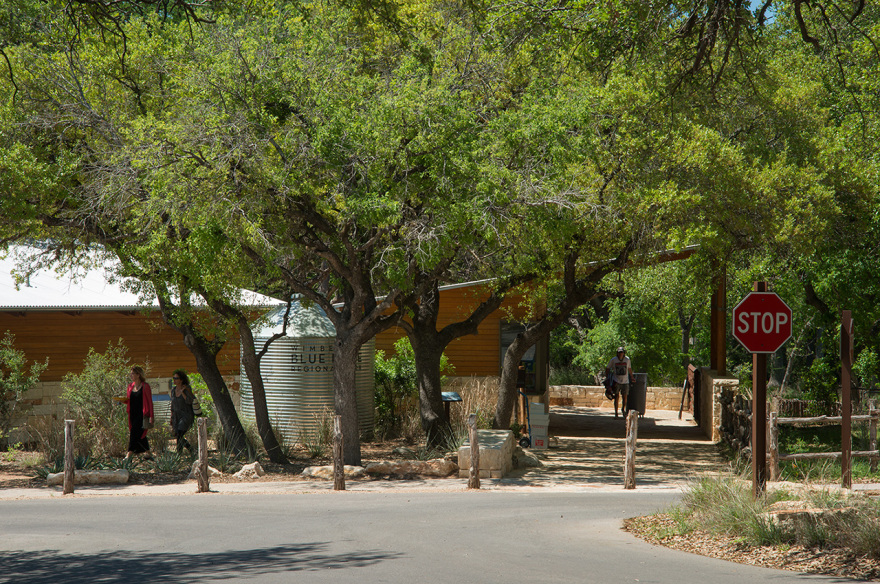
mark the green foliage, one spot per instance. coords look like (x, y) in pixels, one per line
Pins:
(15, 381)
(652, 342)
(169, 462)
(571, 376)
(867, 368)
(397, 386)
(727, 506)
(101, 422)
(820, 384)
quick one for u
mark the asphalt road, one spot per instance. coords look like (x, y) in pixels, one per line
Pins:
(363, 537)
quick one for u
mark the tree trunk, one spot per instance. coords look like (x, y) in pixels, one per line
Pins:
(205, 353)
(577, 292)
(507, 391)
(345, 359)
(687, 324)
(261, 411)
(434, 421)
(428, 346)
(206, 363)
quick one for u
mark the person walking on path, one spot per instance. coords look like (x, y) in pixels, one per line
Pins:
(139, 403)
(621, 368)
(182, 415)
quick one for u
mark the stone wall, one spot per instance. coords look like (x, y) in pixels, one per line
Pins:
(711, 386)
(735, 427)
(593, 396)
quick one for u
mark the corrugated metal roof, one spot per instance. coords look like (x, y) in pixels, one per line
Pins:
(78, 290)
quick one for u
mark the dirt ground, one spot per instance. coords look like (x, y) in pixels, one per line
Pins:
(18, 468)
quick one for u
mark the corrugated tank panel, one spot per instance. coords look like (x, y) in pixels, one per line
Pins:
(298, 375)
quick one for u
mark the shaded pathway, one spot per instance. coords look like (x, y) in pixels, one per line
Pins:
(591, 451)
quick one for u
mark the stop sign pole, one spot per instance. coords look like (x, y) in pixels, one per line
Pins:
(762, 323)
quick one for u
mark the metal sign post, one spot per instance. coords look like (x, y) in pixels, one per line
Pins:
(762, 323)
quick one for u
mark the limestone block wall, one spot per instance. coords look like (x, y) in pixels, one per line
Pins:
(496, 454)
(593, 396)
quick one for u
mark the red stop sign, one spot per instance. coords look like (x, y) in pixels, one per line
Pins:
(762, 322)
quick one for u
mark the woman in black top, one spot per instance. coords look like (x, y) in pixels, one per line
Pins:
(139, 400)
(181, 409)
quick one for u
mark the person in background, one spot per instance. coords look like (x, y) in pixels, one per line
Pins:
(621, 368)
(139, 403)
(181, 409)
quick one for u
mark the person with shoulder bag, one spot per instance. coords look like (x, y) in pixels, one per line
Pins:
(620, 370)
(183, 401)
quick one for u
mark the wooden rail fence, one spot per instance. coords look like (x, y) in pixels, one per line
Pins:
(775, 421)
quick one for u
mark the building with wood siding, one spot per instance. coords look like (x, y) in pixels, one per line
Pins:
(61, 316)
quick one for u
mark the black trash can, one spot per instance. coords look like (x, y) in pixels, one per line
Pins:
(638, 391)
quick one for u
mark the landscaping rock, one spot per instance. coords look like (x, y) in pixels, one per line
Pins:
(212, 472)
(523, 459)
(326, 472)
(250, 471)
(91, 477)
(793, 517)
(438, 467)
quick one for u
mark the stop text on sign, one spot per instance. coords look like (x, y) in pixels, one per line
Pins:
(762, 322)
(769, 322)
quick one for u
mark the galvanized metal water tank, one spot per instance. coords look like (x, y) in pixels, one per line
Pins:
(298, 375)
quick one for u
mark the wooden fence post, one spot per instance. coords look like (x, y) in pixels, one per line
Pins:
(69, 463)
(632, 430)
(774, 446)
(202, 473)
(473, 436)
(338, 458)
(872, 432)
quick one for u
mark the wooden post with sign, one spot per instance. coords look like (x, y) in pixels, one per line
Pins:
(846, 361)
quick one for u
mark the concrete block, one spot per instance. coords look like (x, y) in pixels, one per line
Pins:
(496, 453)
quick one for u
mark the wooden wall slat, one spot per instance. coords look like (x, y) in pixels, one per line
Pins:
(66, 339)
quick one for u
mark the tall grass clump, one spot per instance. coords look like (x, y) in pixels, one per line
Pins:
(318, 439)
(724, 505)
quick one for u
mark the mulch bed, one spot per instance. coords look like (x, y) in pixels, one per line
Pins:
(813, 560)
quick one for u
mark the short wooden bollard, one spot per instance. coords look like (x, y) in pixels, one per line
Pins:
(872, 432)
(338, 455)
(69, 463)
(632, 430)
(474, 474)
(202, 473)
(773, 460)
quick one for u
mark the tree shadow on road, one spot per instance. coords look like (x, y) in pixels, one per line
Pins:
(51, 567)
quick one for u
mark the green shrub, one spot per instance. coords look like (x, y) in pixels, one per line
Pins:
(15, 381)
(101, 422)
(571, 376)
(397, 389)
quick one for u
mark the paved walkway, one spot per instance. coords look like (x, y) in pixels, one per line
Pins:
(589, 457)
